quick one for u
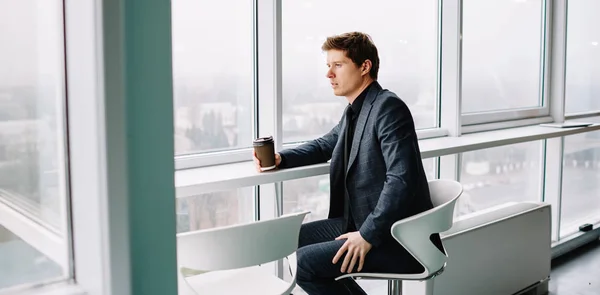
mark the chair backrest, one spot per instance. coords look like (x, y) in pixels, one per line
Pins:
(414, 232)
(240, 245)
(443, 191)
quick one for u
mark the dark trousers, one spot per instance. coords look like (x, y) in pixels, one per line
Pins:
(317, 247)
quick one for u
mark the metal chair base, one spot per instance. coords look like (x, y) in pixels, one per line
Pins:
(394, 287)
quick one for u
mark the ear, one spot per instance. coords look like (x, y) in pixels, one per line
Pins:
(366, 67)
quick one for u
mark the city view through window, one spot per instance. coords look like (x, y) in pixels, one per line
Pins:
(213, 106)
(214, 80)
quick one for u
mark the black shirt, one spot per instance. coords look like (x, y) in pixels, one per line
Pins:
(356, 107)
(352, 113)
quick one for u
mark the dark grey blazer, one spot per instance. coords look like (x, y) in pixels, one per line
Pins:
(385, 178)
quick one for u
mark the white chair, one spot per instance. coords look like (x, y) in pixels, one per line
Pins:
(225, 260)
(413, 234)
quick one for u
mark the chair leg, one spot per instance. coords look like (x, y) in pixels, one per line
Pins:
(429, 287)
(394, 287)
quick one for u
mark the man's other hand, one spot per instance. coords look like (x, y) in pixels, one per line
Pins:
(257, 161)
(357, 249)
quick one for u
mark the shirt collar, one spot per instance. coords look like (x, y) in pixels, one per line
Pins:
(358, 102)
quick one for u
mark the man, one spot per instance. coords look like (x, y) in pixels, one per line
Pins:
(376, 176)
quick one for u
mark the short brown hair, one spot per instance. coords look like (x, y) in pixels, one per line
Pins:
(358, 47)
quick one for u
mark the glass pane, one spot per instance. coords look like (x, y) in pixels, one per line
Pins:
(32, 143)
(430, 168)
(312, 193)
(407, 50)
(215, 209)
(502, 43)
(499, 175)
(20, 263)
(583, 57)
(213, 74)
(581, 182)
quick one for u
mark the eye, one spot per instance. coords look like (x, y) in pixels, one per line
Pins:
(338, 65)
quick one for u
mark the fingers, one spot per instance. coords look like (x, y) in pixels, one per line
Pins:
(355, 258)
(277, 159)
(256, 161)
(362, 260)
(255, 158)
(347, 259)
(339, 253)
(344, 236)
(354, 255)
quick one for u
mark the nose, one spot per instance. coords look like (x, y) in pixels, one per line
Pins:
(329, 74)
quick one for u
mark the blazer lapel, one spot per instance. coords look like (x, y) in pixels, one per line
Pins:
(362, 120)
(339, 147)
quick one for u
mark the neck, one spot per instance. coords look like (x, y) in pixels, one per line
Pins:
(365, 83)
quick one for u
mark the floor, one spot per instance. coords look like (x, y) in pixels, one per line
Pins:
(577, 273)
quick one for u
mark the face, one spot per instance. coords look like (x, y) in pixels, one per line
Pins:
(345, 76)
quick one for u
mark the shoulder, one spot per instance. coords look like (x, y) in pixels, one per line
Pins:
(389, 110)
(387, 101)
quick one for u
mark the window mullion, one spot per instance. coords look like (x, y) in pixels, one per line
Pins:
(558, 56)
(450, 47)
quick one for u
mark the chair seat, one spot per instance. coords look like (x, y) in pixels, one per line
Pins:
(247, 281)
(390, 276)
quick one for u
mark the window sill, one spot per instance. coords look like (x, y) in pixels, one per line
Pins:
(199, 160)
(63, 288)
(191, 182)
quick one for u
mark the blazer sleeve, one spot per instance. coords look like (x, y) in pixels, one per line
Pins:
(312, 152)
(397, 138)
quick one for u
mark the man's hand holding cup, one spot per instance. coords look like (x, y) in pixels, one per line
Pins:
(264, 154)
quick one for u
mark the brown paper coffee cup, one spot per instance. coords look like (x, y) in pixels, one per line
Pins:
(265, 152)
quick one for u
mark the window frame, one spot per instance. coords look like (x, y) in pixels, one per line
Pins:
(109, 77)
(96, 71)
(579, 114)
(560, 231)
(268, 98)
(231, 154)
(582, 115)
(495, 116)
(53, 241)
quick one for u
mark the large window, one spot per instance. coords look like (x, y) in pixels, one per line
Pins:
(581, 182)
(405, 33)
(502, 54)
(583, 57)
(32, 140)
(213, 74)
(499, 175)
